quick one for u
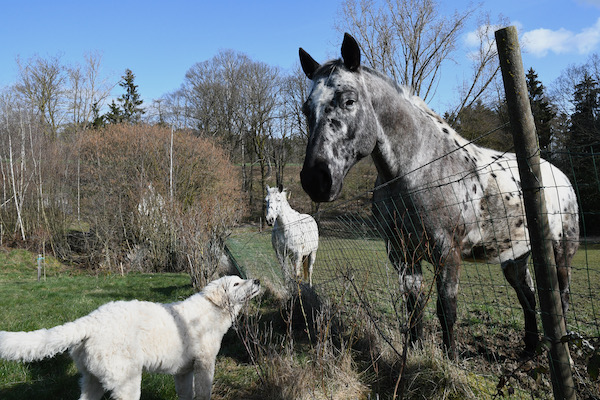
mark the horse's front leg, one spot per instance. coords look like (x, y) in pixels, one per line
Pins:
(411, 283)
(282, 257)
(448, 271)
(517, 274)
(297, 261)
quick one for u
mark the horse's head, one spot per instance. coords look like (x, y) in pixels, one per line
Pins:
(275, 197)
(340, 120)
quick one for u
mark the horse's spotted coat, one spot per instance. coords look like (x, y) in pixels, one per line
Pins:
(437, 197)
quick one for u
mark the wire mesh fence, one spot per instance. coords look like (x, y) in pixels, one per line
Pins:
(355, 272)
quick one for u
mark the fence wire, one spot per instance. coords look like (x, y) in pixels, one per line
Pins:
(353, 270)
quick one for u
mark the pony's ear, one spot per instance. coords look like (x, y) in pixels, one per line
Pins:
(309, 65)
(268, 188)
(350, 52)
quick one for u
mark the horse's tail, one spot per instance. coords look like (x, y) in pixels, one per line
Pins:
(37, 345)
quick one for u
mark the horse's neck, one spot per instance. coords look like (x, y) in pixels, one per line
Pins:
(410, 136)
(286, 214)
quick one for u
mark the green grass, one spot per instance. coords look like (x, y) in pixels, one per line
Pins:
(484, 292)
(489, 325)
(490, 320)
(66, 294)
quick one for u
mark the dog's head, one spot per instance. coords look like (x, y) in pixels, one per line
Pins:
(231, 292)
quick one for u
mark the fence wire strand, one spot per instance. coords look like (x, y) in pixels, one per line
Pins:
(353, 270)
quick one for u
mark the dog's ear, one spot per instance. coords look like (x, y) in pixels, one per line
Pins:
(216, 293)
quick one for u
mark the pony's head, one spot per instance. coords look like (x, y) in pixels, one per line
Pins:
(340, 120)
(276, 196)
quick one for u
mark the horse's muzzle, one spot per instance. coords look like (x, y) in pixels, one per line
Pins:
(317, 182)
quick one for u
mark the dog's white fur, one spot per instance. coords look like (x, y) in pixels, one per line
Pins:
(113, 344)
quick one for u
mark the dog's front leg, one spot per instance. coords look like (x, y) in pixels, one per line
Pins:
(184, 385)
(204, 372)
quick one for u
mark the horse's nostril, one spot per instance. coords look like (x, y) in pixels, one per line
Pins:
(316, 181)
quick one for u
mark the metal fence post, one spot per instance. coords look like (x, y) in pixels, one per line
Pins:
(528, 158)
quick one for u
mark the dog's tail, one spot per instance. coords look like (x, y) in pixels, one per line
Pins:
(37, 345)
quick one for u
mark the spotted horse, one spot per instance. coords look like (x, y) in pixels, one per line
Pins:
(438, 197)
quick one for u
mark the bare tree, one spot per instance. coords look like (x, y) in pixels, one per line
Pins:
(42, 83)
(175, 106)
(260, 93)
(294, 92)
(84, 88)
(562, 90)
(484, 64)
(410, 40)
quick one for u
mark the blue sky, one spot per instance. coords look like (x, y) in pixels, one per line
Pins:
(159, 41)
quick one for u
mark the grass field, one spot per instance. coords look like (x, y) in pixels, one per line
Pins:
(66, 294)
(489, 325)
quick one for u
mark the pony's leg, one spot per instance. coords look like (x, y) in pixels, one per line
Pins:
(283, 262)
(308, 263)
(517, 274)
(447, 287)
(298, 261)
(411, 282)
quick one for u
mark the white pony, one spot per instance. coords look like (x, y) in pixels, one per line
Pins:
(295, 236)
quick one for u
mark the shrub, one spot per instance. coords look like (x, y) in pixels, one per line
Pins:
(154, 200)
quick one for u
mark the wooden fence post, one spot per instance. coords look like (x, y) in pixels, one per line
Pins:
(528, 158)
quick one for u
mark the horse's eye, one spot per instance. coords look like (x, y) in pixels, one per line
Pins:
(347, 99)
(236, 284)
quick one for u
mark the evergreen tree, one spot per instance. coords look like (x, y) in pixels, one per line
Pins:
(130, 100)
(543, 114)
(476, 121)
(584, 131)
(129, 104)
(98, 120)
(583, 144)
(114, 115)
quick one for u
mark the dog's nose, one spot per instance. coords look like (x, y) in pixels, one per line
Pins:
(257, 282)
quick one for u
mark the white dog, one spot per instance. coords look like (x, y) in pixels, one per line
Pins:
(114, 343)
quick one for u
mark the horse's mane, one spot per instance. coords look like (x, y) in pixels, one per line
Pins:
(407, 93)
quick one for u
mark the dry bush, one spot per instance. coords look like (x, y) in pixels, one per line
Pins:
(147, 215)
(429, 374)
(288, 367)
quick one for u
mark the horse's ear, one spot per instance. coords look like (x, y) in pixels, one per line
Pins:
(350, 52)
(309, 65)
(268, 188)
(289, 194)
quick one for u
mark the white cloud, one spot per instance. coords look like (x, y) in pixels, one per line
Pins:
(594, 3)
(562, 41)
